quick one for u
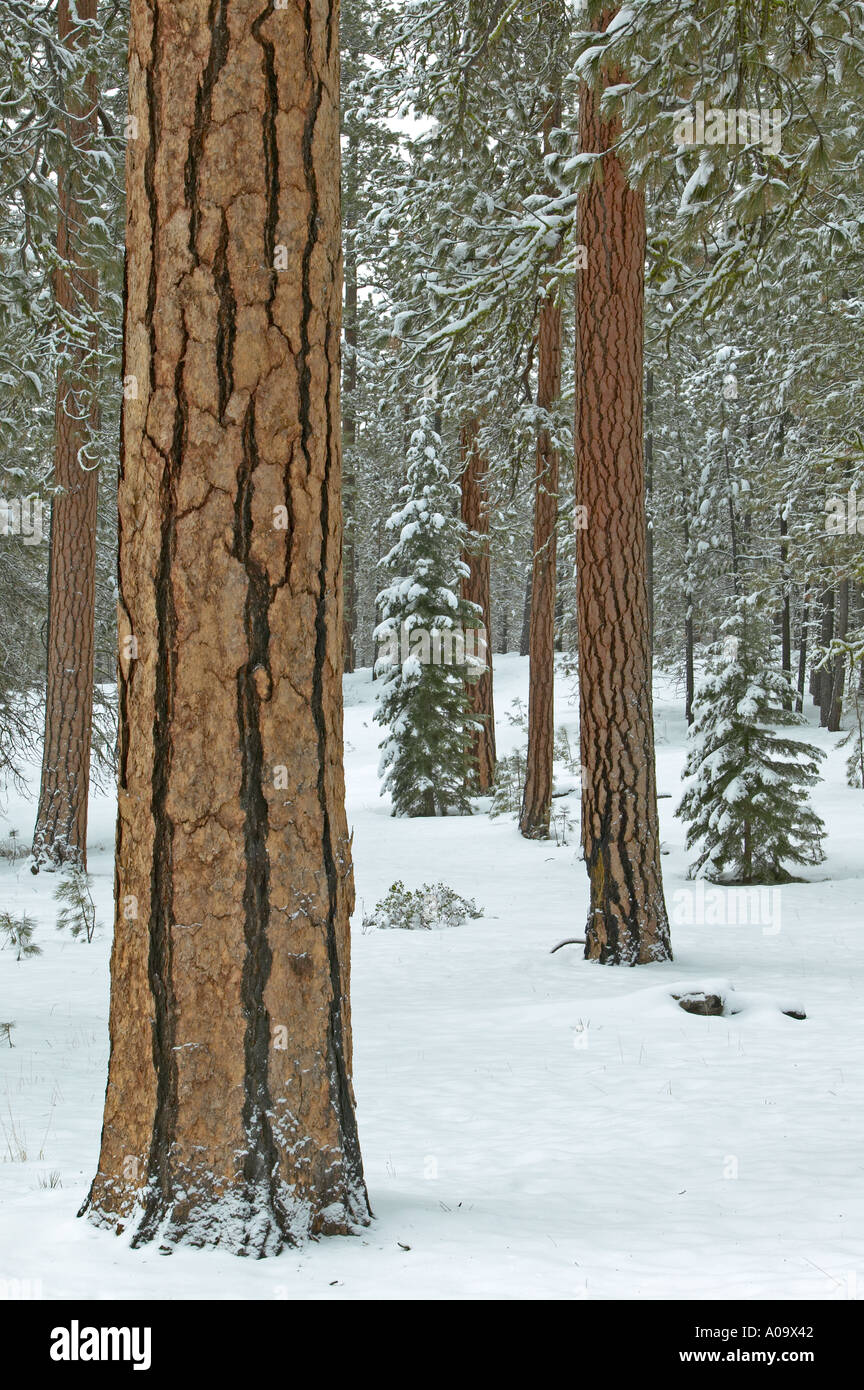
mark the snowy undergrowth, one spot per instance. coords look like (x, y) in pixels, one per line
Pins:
(532, 1125)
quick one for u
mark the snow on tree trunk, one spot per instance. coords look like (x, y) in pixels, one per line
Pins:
(229, 1115)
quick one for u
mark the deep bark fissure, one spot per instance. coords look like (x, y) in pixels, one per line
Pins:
(159, 1182)
(231, 824)
(340, 1089)
(261, 1158)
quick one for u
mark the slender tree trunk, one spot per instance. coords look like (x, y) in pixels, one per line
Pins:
(823, 694)
(229, 1114)
(802, 651)
(689, 664)
(475, 588)
(837, 670)
(61, 819)
(627, 920)
(649, 490)
(785, 610)
(537, 795)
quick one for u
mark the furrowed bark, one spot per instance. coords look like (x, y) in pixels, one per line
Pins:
(229, 1115)
(627, 920)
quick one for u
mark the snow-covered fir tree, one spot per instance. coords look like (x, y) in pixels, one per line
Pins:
(747, 808)
(429, 640)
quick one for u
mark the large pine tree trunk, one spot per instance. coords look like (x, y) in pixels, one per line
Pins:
(627, 920)
(537, 794)
(229, 1115)
(61, 819)
(475, 588)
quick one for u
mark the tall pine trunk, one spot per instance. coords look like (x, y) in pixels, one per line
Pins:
(475, 588)
(229, 1114)
(627, 920)
(61, 819)
(537, 794)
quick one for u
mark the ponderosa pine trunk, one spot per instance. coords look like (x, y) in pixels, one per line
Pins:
(61, 819)
(627, 919)
(475, 588)
(536, 808)
(229, 1115)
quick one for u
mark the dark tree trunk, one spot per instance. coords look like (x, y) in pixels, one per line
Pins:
(649, 490)
(825, 678)
(229, 1114)
(837, 670)
(627, 920)
(61, 818)
(690, 672)
(475, 588)
(785, 611)
(537, 794)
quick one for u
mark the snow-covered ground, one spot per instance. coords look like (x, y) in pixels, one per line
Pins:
(532, 1125)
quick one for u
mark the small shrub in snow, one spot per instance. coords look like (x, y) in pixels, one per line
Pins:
(428, 908)
(77, 911)
(508, 785)
(746, 807)
(16, 934)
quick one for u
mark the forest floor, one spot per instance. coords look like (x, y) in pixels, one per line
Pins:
(533, 1126)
